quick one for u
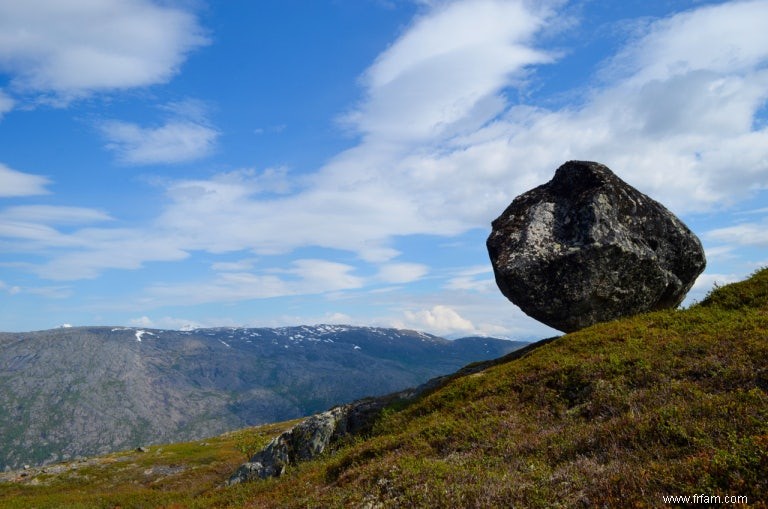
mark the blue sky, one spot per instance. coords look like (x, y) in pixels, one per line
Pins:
(197, 163)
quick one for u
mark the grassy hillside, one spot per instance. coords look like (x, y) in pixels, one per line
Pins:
(620, 414)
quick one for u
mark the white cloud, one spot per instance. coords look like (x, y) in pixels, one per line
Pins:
(302, 277)
(93, 250)
(53, 214)
(142, 321)
(441, 77)
(10, 290)
(336, 318)
(440, 320)
(288, 320)
(227, 287)
(16, 183)
(6, 103)
(185, 136)
(48, 292)
(476, 279)
(399, 273)
(326, 215)
(166, 322)
(722, 38)
(316, 276)
(76, 47)
(51, 292)
(173, 142)
(238, 266)
(31, 228)
(744, 234)
(762, 210)
(489, 312)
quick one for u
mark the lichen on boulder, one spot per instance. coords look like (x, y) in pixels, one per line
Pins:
(586, 247)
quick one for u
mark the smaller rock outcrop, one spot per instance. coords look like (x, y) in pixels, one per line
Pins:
(587, 247)
(311, 437)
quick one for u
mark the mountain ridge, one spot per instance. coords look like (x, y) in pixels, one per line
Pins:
(78, 391)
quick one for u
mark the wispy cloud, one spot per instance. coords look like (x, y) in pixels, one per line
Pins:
(301, 277)
(476, 279)
(173, 142)
(50, 214)
(6, 103)
(10, 290)
(400, 273)
(186, 135)
(71, 49)
(238, 266)
(167, 322)
(439, 319)
(443, 75)
(94, 250)
(37, 228)
(16, 183)
(744, 234)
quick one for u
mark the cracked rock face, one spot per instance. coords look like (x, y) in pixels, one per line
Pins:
(586, 247)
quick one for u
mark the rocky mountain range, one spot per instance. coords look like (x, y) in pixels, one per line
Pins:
(80, 391)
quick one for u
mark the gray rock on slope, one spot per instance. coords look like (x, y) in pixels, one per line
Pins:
(309, 438)
(587, 247)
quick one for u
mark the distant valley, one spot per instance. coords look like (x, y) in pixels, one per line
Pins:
(81, 391)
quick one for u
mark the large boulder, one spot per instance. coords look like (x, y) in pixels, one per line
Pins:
(586, 247)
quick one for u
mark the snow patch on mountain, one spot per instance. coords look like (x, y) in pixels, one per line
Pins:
(141, 333)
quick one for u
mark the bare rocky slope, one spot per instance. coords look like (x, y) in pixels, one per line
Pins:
(90, 390)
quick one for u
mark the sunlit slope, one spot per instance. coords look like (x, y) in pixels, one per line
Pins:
(174, 475)
(669, 403)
